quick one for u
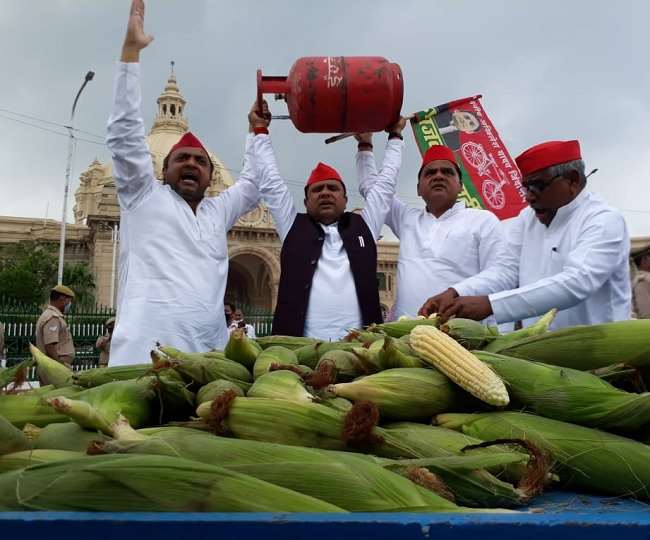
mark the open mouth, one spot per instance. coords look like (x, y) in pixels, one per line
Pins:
(189, 178)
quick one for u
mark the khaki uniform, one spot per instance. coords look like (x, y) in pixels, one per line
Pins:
(104, 346)
(52, 328)
(641, 295)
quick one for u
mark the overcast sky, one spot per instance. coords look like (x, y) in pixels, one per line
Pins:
(547, 70)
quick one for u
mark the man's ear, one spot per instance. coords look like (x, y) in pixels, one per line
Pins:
(305, 202)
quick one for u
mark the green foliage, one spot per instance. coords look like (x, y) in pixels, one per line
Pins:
(28, 270)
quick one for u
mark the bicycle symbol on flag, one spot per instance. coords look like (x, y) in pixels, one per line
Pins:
(475, 155)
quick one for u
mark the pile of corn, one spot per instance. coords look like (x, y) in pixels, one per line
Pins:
(412, 415)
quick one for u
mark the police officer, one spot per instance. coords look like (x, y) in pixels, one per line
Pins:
(103, 344)
(53, 336)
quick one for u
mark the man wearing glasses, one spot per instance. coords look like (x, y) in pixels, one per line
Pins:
(569, 250)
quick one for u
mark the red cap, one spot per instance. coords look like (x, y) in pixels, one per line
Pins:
(439, 151)
(547, 154)
(323, 172)
(188, 140)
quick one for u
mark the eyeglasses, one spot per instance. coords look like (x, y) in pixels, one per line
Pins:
(536, 187)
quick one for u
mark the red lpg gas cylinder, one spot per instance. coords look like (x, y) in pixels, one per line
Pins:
(338, 94)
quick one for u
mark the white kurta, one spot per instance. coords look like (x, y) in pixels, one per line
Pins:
(173, 264)
(333, 306)
(579, 265)
(435, 252)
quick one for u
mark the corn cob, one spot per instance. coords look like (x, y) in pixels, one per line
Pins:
(474, 488)
(50, 371)
(347, 365)
(353, 482)
(273, 355)
(242, 349)
(27, 458)
(281, 384)
(469, 333)
(589, 347)
(288, 342)
(31, 407)
(404, 393)
(285, 422)
(337, 403)
(540, 327)
(461, 366)
(145, 484)
(402, 327)
(587, 459)
(570, 395)
(362, 336)
(11, 438)
(99, 376)
(308, 354)
(64, 436)
(215, 389)
(202, 369)
(397, 354)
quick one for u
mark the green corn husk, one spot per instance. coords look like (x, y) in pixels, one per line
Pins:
(469, 333)
(311, 354)
(31, 407)
(404, 393)
(96, 408)
(473, 488)
(120, 483)
(215, 389)
(502, 341)
(337, 403)
(242, 349)
(273, 355)
(281, 384)
(570, 395)
(50, 371)
(99, 376)
(402, 327)
(27, 458)
(586, 459)
(347, 365)
(362, 336)
(288, 342)
(589, 347)
(284, 422)
(202, 369)
(352, 482)
(14, 374)
(11, 438)
(397, 354)
(64, 436)
(372, 357)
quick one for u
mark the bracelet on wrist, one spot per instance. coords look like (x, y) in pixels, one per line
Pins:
(364, 146)
(395, 135)
(261, 130)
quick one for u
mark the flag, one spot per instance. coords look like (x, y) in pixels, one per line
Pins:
(491, 179)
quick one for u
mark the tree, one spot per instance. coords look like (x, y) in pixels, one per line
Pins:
(80, 279)
(28, 271)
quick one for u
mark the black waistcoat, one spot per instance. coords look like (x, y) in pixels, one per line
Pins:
(300, 253)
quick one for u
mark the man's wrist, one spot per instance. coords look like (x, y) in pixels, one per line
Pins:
(364, 146)
(130, 54)
(395, 135)
(260, 129)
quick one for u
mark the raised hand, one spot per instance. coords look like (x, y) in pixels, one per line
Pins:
(257, 120)
(136, 39)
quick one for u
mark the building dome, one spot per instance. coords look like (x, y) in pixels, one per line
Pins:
(96, 194)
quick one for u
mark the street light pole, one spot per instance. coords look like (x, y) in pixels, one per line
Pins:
(68, 171)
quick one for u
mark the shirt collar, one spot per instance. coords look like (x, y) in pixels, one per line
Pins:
(55, 309)
(457, 207)
(564, 213)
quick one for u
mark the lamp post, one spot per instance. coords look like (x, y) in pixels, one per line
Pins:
(68, 170)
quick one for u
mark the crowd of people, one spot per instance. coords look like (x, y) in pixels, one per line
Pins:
(567, 250)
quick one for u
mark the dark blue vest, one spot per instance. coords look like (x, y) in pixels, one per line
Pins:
(300, 253)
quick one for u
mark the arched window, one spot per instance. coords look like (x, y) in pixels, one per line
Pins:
(172, 108)
(164, 108)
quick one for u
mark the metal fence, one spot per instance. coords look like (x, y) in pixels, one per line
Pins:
(86, 324)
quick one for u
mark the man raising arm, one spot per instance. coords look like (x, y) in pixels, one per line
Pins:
(173, 251)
